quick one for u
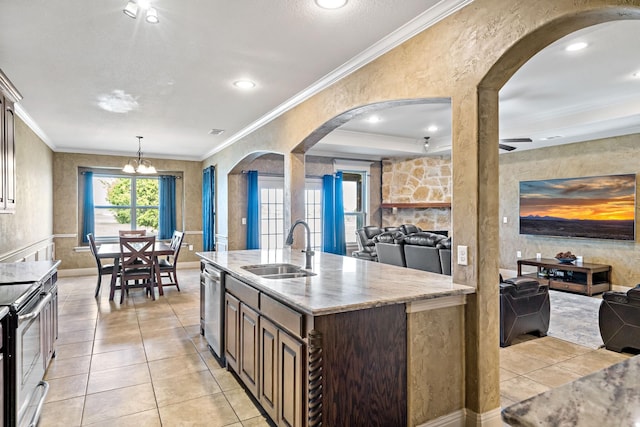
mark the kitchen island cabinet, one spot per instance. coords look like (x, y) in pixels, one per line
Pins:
(357, 343)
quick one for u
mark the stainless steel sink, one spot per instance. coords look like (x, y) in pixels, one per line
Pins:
(277, 271)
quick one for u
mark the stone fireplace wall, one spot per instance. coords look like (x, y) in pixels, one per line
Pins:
(422, 180)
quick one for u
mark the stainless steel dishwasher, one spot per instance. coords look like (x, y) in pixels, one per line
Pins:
(214, 289)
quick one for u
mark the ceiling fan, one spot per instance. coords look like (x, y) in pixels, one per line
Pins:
(513, 141)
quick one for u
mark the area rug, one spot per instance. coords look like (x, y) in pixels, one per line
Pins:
(574, 318)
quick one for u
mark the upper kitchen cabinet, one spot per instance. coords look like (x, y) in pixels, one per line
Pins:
(9, 95)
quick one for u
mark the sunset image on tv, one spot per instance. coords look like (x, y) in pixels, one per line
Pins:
(601, 207)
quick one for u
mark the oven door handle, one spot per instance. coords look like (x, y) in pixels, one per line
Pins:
(34, 313)
(36, 414)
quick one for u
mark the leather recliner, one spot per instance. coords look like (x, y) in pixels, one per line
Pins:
(389, 247)
(619, 320)
(444, 249)
(408, 229)
(524, 308)
(366, 245)
(421, 252)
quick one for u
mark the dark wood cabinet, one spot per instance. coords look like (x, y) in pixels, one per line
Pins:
(231, 330)
(8, 97)
(268, 367)
(249, 348)
(290, 356)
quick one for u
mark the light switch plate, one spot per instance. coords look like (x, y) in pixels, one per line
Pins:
(463, 255)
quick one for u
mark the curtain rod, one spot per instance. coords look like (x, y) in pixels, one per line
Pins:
(174, 174)
(276, 175)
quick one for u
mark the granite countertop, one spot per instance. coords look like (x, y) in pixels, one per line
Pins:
(605, 398)
(25, 272)
(340, 284)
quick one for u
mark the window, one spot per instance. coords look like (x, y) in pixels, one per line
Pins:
(353, 196)
(124, 202)
(313, 211)
(271, 212)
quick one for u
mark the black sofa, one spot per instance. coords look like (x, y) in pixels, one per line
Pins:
(525, 308)
(366, 245)
(409, 246)
(619, 320)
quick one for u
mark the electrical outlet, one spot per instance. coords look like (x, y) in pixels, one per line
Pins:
(538, 256)
(504, 219)
(518, 254)
(190, 247)
(462, 255)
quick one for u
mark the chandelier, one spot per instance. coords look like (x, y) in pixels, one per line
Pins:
(139, 165)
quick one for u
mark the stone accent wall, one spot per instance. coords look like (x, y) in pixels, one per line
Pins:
(426, 179)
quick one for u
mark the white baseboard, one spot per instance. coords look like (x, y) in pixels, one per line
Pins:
(467, 418)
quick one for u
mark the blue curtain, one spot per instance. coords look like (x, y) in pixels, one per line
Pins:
(338, 206)
(208, 209)
(328, 214)
(167, 190)
(88, 224)
(253, 211)
(333, 239)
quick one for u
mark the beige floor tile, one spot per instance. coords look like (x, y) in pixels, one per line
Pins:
(517, 362)
(111, 404)
(185, 387)
(225, 379)
(207, 411)
(68, 367)
(111, 379)
(552, 376)
(112, 344)
(176, 366)
(504, 402)
(76, 325)
(160, 348)
(149, 418)
(537, 349)
(62, 413)
(242, 404)
(521, 388)
(189, 320)
(170, 330)
(256, 422)
(76, 336)
(67, 387)
(556, 344)
(118, 332)
(116, 359)
(506, 374)
(66, 351)
(592, 361)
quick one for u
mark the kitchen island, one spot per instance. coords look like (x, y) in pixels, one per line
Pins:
(356, 343)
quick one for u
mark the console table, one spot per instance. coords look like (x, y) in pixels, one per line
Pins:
(583, 278)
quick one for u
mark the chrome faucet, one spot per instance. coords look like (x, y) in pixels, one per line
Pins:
(307, 252)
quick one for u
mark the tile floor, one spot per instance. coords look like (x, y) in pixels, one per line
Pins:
(145, 363)
(141, 364)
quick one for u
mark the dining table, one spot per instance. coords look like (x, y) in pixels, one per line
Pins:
(112, 250)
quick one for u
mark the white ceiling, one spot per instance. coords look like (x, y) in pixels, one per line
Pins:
(65, 55)
(175, 77)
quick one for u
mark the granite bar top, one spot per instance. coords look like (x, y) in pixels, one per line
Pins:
(610, 397)
(341, 283)
(25, 272)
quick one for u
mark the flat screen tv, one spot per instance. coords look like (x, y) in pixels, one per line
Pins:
(599, 207)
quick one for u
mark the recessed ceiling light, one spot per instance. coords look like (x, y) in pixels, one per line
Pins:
(636, 75)
(547, 138)
(331, 4)
(216, 131)
(432, 128)
(373, 119)
(576, 46)
(244, 84)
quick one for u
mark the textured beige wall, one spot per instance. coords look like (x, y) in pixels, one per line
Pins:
(466, 57)
(435, 341)
(32, 220)
(600, 157)
(425, 179)
(66, 211)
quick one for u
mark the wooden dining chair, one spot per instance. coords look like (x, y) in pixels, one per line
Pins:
(132, 233)
(169, 264)
(103, 269)
(137, 263)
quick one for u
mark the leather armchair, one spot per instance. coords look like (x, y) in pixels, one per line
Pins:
(524, 308)
(366, 245)
(421, 252)
(389, 246)
(409, 229)
(619, 320)
(444, 249)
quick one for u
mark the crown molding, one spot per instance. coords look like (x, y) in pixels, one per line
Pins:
(20, 112)
(8, 88)
(421, 22)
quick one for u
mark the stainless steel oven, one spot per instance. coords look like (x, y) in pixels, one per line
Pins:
(25, 387)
